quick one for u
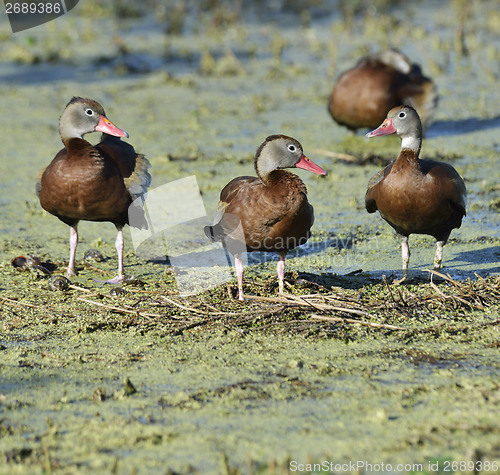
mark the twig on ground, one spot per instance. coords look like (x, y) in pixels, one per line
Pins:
(17, 302)
(119, 309)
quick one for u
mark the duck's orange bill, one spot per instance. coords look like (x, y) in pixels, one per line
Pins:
(307, 164)
(386, 128)
(108, 127)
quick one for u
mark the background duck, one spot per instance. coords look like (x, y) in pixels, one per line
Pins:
(364, 94)
(415, 196)
(92, 183)
(272, 208)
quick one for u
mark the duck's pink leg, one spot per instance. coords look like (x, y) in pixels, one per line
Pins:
(73, 243)
(238, 267)
(281, 272)
(405, 254)
(120, 245)
(438, 258)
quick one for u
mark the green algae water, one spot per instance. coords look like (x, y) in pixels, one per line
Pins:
(123, 387)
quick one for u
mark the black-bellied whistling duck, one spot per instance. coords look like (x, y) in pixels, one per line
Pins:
(415, 196)
(364, 94)
(92, 183)
(272, 208)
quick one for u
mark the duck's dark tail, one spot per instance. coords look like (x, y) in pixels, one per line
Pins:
(226, 232)
(224, 227)
(213, 232)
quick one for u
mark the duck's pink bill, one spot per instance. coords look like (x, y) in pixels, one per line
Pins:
(108, 127)
(386, 128)
(306, 164)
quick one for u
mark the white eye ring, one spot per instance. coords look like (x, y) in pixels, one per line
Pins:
(292, 148)
(89, 111)
(402, 115)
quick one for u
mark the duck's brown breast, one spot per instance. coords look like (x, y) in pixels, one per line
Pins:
(83, 184)
(275, 216)
(426, 199)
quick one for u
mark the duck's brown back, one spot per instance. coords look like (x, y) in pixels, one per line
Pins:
(274, 217)
(364, 94)
(133, 166)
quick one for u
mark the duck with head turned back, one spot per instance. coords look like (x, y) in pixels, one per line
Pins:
(416, 196)
(92, 183)
(364, 94)
(272, 208)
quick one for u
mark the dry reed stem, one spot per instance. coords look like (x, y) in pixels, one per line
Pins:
(81, 289)
(16, 302)
(195, 310)
(325, 307)
(345, 157)
(120, 309)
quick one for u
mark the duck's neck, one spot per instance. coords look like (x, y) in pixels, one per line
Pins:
(68, 132)
(412, 144)
(75, 146)
(265, 167)
(408, 156)
(69, 128)
(272, 177)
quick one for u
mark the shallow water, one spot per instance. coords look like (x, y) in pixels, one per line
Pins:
(221, 119)
(199, 104)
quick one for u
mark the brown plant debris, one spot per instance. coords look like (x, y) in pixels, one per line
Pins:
(439, 305)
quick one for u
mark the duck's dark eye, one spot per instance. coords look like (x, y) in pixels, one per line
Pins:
(89, 111)
(402, 115)
(292, 148)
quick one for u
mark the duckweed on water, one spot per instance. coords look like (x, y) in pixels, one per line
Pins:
(209, 371)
